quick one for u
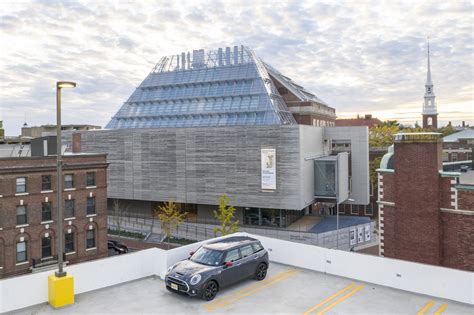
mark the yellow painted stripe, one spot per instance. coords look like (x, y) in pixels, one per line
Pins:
(224, 303)
(243, 293)
(246, 289)
(342, 298)
(441, 309)
(426, 307)
(328, 299)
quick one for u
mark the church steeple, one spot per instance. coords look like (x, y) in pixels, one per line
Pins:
(429, 112)
(428, 75)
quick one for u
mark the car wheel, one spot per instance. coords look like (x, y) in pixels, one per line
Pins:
(209, 291)
(261, 272)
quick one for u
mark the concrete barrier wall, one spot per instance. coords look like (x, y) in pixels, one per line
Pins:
(23, 291)
(453, 284)
(457, 285)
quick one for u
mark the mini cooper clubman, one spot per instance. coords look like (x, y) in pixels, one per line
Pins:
(217, 265)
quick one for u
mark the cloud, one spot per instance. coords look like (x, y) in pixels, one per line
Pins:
(360, 57)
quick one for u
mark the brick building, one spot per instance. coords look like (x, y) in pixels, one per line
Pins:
(367, 120)
(28, 217)
(425, 214)
(458, 146)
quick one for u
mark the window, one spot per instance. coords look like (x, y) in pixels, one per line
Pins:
(246, 250)
(90, 205)
(21, 215)
(69, 181)
(46, 182)
(90, 239)
(233, 255)
(257, 247)
(454, 157)
(369, 210)
(469, 156)
(90, 179)
(371, 188)
(46, 247)
(21, 254)
(69, 208)
(69, 243)
(46, 211)
(354, 209)
(20, 185)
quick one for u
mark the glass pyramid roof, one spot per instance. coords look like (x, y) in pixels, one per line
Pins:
(215, 88)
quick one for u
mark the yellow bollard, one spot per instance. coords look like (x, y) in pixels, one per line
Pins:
(60, 290)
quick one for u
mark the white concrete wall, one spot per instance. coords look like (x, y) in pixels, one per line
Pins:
(32, 289)
(457, 285)
(453, 284)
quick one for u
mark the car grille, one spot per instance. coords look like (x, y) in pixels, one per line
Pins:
(182, 286)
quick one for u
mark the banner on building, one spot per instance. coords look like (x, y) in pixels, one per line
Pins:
(352, 236)
(367, 233)
(360, 234)
(268, 161)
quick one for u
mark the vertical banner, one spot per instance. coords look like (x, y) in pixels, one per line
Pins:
(367, 233)
(352, 236)
(360, 234)
(268, 161)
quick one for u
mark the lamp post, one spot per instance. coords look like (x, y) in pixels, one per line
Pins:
(59, 86)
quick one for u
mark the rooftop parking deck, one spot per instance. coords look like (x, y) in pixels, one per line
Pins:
(286, 290)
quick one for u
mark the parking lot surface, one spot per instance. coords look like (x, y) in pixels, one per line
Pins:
(286, 290)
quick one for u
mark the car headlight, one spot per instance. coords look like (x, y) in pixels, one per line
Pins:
(195, 279)
(170, 268)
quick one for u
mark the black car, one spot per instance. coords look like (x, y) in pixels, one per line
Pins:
(217, 265)
(117, 247)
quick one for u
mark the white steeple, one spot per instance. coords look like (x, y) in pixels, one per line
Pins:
(429, 105)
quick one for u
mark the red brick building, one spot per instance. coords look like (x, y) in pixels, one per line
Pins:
(28, 220)
(367, 120)
(458, 146)
(425, 214)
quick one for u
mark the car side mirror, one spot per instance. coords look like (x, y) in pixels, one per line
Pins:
(228, 264)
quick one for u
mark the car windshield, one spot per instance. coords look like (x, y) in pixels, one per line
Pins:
(207, 256)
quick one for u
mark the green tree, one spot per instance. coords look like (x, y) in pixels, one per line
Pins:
(170, 217)
(382, 136)
(225, 215)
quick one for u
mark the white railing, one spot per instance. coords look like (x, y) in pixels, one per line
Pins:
(457, 285)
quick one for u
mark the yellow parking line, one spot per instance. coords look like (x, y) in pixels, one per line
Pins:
(441, 309)
(328, 299)
(246, 289)
(246, 292)
(342, 298)
(426, 307)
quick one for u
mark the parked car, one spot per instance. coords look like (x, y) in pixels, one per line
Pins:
(217, 265)
(117, 247)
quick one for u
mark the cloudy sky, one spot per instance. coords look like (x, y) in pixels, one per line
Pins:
(358, 56)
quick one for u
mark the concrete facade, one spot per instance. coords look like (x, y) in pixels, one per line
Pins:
(197, 165)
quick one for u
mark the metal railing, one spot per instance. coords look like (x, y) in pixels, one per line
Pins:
(201, 231)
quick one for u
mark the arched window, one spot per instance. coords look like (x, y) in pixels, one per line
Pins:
(430, 121)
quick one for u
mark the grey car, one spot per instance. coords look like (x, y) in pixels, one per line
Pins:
(217, 265)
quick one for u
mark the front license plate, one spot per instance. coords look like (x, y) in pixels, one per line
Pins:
(174, 286)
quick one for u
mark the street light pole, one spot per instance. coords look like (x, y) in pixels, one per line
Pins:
(60, 234)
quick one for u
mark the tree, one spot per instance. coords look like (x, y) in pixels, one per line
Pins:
(225, 215)
(170, 217)
(118, 212)
(382, 136)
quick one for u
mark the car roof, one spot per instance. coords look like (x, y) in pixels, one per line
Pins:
(230, 242)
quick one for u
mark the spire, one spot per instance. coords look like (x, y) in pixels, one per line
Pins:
(428, 75)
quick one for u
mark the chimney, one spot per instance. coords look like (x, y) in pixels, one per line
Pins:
(368, 116)
(463, 124)
(76, 142)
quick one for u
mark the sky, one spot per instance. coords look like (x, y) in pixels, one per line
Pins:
(360, 57)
